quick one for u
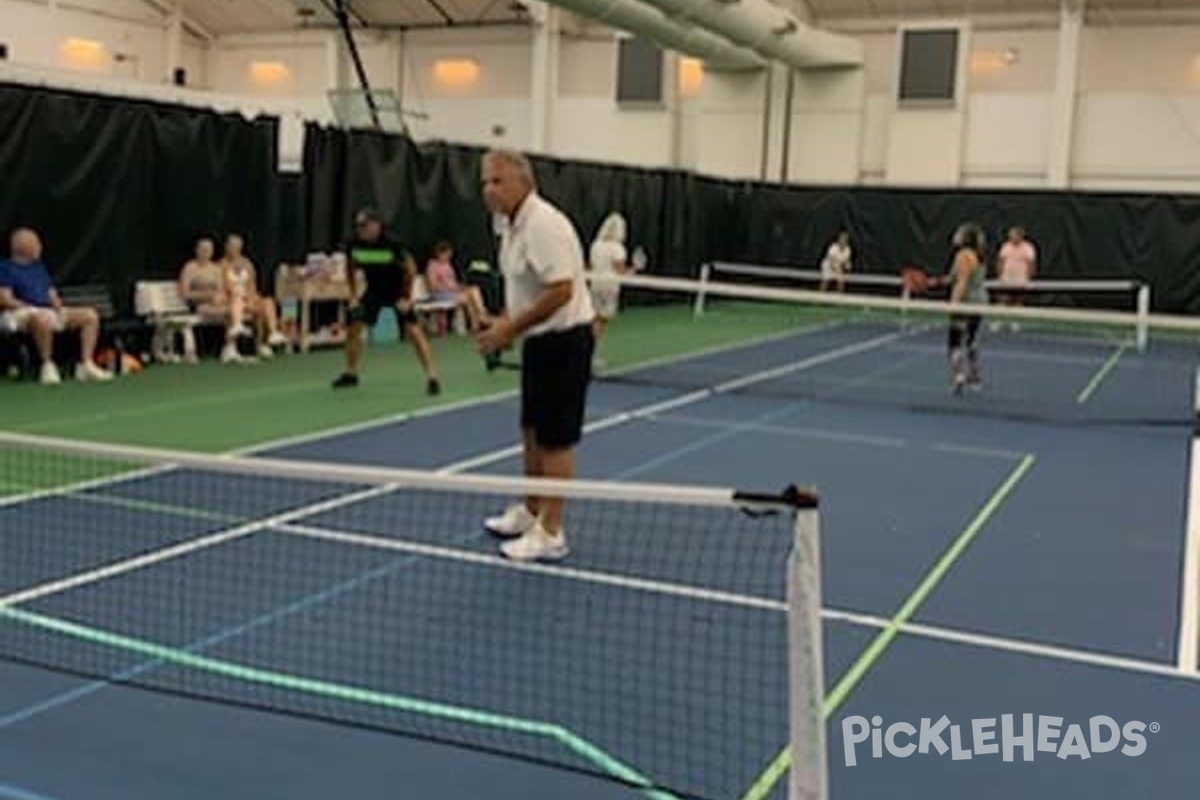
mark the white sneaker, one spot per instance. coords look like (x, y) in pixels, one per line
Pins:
(515, 521)
(265, 352)
(89, 371)
(230, 354)
(536, 544)
(49, 375)
(238, 331)
(277, 339)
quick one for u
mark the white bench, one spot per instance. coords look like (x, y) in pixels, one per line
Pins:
(159, 303)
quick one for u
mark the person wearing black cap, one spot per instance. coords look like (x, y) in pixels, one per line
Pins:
(388, 269)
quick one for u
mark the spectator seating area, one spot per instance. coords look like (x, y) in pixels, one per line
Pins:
(163, 327)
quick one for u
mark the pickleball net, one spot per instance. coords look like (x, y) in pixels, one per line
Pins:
(676, 650)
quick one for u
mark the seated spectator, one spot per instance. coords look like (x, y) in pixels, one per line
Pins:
(29, 303)
(442, 282)
(242, 295)
(202, 286)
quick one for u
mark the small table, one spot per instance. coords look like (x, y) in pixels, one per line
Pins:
(293, 283)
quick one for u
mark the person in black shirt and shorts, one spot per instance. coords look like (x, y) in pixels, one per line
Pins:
(388, 270)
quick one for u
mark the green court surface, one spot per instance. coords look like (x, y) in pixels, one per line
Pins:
(211, 407)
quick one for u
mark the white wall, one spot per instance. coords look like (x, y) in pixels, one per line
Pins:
(131, 39)
(494, 110)
(1136, 125)
(587, 123)
(306, 58)
(828, 121)
(723, 127)
(1139, 109)
(1137, 121)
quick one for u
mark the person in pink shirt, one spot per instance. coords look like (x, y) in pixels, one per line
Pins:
(441, 281)
(1016, 264)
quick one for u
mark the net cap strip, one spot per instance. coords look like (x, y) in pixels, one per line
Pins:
(580, 489)
(717, 289)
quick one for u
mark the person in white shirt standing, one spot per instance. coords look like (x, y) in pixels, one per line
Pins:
(608, 259)
(546, 302)
(836, 263)
(1016, 264)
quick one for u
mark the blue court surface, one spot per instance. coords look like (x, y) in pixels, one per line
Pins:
(979, 567)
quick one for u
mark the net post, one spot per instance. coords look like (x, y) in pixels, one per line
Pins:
(705, 274)
(808, 775)
(1143, 316)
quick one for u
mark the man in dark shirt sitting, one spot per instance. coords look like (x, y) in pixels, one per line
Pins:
(388, 270)
(30, 304)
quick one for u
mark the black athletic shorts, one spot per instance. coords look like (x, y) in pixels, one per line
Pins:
(964, 329)
(376, 299)
(556, 369)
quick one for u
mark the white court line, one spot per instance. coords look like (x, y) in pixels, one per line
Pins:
(499, 562)
(183, 548)
(974, 450)
(998, 352)
(1189, 602)
(407, 416)
(686, 591)
(653, 409)
(779, 430)
(1053, 652)
(147, 559)
(447, 408)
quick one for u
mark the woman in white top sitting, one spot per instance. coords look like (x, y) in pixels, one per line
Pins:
(244, 300)
(836, 263)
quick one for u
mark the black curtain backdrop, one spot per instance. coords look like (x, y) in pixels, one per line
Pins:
(431, 191)
(120, 189)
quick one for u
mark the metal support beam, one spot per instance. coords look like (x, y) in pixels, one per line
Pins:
(341, 11)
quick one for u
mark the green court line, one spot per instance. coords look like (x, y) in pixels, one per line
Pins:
(160, 508)
(568, 739)
(129, 502)
(1102, 373)
(765, 782)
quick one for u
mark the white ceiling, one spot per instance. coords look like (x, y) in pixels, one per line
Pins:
(246, 16)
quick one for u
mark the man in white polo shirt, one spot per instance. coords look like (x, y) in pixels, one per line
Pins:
(547, 302)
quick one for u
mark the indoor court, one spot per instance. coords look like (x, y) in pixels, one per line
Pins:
(807, 560)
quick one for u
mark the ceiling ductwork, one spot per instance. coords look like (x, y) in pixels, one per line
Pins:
(772, 32)
(650, 22)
